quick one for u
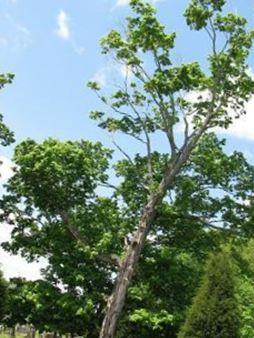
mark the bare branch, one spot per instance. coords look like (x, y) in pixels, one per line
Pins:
(168, 127)
(208, 223)
(121, 150)
(148, 141)
(107, 185)
(186, 129)
(149, 156)
(214, 36)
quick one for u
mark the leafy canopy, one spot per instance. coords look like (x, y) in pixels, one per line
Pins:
(6, 136)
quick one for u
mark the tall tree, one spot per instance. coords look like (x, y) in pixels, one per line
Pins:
(83, 253)
(206, 208)
(215, 311)
(155, 98)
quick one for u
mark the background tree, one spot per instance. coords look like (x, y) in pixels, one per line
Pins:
(18, 308)
(243, 257)
(44, 307)
(55, 310)
(59, 215)
(215, 311)
(3, 296)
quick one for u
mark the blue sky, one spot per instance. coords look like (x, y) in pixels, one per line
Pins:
(52, 46)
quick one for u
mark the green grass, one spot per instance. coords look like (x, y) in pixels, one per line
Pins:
(18, 335)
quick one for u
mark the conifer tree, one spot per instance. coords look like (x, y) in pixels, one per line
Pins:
(214, 312)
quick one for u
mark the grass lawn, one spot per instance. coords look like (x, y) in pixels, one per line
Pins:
(6, 335)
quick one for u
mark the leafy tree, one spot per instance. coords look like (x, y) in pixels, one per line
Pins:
(54, 310)
(61, 213)
(17, 308)
(58, 215)
(243, 255)
(206, 208)
(154, 306)
(246, 305)
(6, 136)
(155, 100)
(44, 306)
(215, 311)
(84, 256)
(3, 296)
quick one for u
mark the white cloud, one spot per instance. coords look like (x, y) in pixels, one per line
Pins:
(17, 35)
(6, 168)
(111, 72)
(23, 29)
(100, 77)
(23, 38)
(244, 126)
(16, 266)
(64, 32)
(126, 71)
(63, 29)
(80, 50)
(122, 2)
(241, 127)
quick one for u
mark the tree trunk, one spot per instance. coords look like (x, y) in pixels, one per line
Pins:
(13, 332)
(116, 300)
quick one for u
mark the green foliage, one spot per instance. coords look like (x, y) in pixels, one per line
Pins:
(215, 311)
(186, 229)
(199, 12)
(155, 320)
(157, 84)
(45, 307)
(246, 305)
(56, 173)
(3, 296)
(6, 136)
(62, 179)
(155, 307)
(55, 310)
(6, 79)
(18, 308)
(60, 212)
(59, 215)
(243, 255)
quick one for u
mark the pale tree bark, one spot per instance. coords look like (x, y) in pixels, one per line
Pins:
(117, 299)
